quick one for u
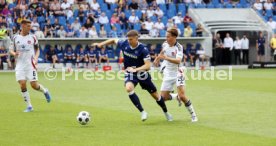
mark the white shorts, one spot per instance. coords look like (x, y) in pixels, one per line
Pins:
(29, 75)
(167, 85)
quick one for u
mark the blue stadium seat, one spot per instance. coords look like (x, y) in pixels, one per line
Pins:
(215, 2)
(71, 20)
(274, 18)
(127, 13)
(108, 13)
(218, 6)
(181, 6)
(163, 7)
(170, 13)
(52, 19)
(180, 26)
(113, 7)
(201, 6)
(118, 27)
(97, 26)
(137, 26)
(164, 19)
(162, 33)
(41, 19)
(210, 6)
(243, 2)
(62, 20)
(238, 5)
(76, 13)
(11, 5)
(100, 2)
(191, 5)
(228, 6)
(269, 13)
(138, 13)
(107, 27)
(153, 18)
(246, 6)
(104, 7)
(172, 7)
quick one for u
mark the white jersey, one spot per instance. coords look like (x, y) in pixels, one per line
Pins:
(170, 70)
(25, 45)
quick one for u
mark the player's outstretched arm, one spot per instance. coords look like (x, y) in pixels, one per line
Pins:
(106, 42)
(172, 60)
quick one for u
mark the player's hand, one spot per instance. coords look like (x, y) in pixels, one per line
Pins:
(162, 56)
(16, 54)
(131, 69)
(35, 60)
(156, 62)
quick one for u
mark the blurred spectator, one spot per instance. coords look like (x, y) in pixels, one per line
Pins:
(273, 47)
(150, 12)
(35, 25)
(69, 31)
(55, 8)
(55, 27)
(81, 15)
(82, 57)
(92, 55)
(123, 21)
(149, 24)
(199, 30)
(159, 12)
(143, 17)
(5, 11)
(91, 17)
(92, 32)
(268, 5)
(237, 51)
(94, 5)
(260, 45)
(83, 32)
(114, 19)
(152, 52)
(4, 57)
(188, 31)
(48, 29)
(187, 20)
(69, 13)
(51, 55)
(159, 25)
(257, 5)
(192, 55)
(160, 2)
(69, 56)
(39, 34)
(133, 5)
(170, 23)
(143, 30)
(245, 49)
(228, 46)
(154, 32)
(271, 23)
(133, 19)
(76, 25)
(61, 32)
(65, 5)
(88, 24)
(177, 19)
(103, 57)
(103, 19)
(103, 33)
(143, 6)
(113, 32)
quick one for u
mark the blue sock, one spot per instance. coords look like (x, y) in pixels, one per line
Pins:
(135, 100)
(162, 104)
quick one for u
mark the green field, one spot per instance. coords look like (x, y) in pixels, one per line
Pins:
(241, 112)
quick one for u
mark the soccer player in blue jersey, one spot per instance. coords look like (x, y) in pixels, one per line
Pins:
(69, 56)
(137, 63)
(92, 55)
(82, 57)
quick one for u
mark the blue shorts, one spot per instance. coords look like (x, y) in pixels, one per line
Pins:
(144, 80)
(261, 51)
(3, 59)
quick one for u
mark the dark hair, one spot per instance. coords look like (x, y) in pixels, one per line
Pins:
(173, 32)
(25, 21)
(132, 33)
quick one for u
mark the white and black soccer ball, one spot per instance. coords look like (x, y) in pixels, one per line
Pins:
(83, 117)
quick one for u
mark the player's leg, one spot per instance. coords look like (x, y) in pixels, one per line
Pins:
(32, 77)
(26, 96)
(86, 61)
(187, 102)
(147, 84)
(129, 86)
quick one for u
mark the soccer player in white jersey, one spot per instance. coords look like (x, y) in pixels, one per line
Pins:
(26, 50)
(172, 54)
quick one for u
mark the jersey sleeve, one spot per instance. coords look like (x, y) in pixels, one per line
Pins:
(146, 55)
(120, 43)
(179, 53)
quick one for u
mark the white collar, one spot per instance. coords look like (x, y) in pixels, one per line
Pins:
(134, 47)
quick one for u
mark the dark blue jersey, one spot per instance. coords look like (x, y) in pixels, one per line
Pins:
(81, 53)
(92, 53)
(261, 42)
(3, 52)
(69, 54)
(103, 53)
(133, 57)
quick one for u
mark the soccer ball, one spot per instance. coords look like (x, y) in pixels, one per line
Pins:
(83, 117)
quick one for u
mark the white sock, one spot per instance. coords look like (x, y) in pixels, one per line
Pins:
(174, 96)
(191, 110)
(42, 89)
(27, 98)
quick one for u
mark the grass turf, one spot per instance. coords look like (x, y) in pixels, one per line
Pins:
(237, 112)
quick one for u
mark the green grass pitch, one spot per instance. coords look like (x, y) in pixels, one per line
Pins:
(241, 112)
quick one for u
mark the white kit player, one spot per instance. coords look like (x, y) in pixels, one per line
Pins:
(172, 54)
(25, 48)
